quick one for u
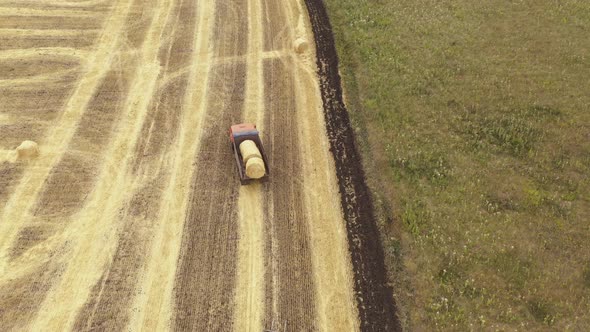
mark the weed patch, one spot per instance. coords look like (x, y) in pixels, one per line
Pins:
(543, 111)
(541, 311)
(429, 166)
(497, 203)
(514, 270)
(586, 276)
(509, 133)
(415, 217)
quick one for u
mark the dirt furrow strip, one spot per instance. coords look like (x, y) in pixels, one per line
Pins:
(9, 173)
(72, 180)
(209, 241)
(11, 135)
(231, 24)
(374, 298)
(153, 304)
(52, 78)
(23, 11)
(335, 306)
(276, 32)
(288, 243)
(273, 38)
(25, 194)
(205, 279)
(61, 52)
(110, 302)
(89, 142)
(25, 112)
(97, 220)
(36, 66)
(263, 55)
(79, 40)
(109, 307)
(82, 4)
(31, 104)
(332, 267)
(48, 22)
(18, 33)
(140, 17)
(16, 313)
(250, 280)
(286, 226)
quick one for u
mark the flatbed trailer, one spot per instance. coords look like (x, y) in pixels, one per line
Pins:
(242, 132)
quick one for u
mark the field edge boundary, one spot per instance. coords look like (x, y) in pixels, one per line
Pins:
(376, 306)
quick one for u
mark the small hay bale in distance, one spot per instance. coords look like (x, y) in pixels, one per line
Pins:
(27, 150)
(300, 45)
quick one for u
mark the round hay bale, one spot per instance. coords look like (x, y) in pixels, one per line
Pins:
(27, 149)
(255, 168)
(300, 45)
(248, 149)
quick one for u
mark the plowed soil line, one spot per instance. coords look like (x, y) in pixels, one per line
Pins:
(132, 217)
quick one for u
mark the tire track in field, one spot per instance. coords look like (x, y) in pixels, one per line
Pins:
(43, 79)
(154, 300)
(231, 27)
(9, 174)
(111, 299)
(335, 305)
(333, 278)
(276, 32)
(205, 278)
(209, 240)
(43, 22)
(274, 40)
(16, 313)
(73, 178)
(288, 252)
(32, 103)
(80, 39)
(23, 11)
(90, 5)
(34, 67)
(18, 33)
(72, 53)
(70, 182)
(286, 229)
(12, 134)
(27, 105)
(140, 16)
(249, 288)
(61, 306)
(35, 116)
(25, 194)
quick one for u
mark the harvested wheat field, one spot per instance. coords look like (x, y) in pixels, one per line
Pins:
(125, 211)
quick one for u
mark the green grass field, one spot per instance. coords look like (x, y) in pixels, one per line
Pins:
(474, 121)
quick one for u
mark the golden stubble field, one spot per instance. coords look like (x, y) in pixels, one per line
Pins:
(132, 216)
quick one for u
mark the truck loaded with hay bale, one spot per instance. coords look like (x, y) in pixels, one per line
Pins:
(248, 152)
